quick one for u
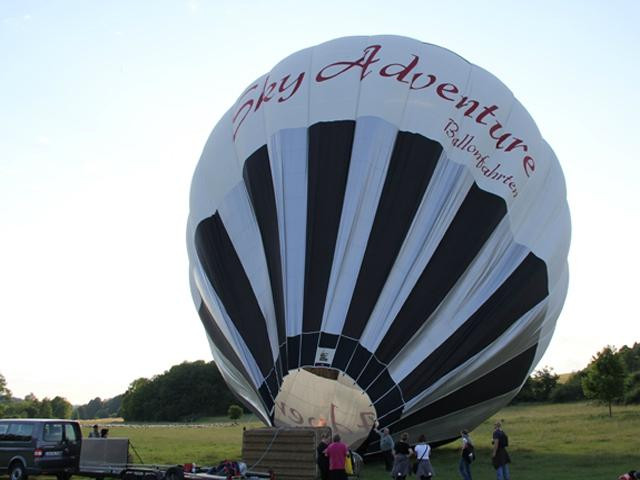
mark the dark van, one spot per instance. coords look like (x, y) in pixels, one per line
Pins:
(39, 446)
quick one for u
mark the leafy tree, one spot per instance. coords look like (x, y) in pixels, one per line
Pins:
(630, 356)
(604, 379)
(182, 393)
(44, 409)
(234, 412)
(538, 386)
(5, 393)
(632, 388)
(543, 382)
(61, 408)
(570, 391)
(91, 409)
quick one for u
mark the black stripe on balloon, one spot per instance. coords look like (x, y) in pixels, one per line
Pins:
(222, 266)
(370, 373)
(412, 164)
(474, 222)
(220, 341)
(519, 293)
(503, 379)
(392, 416)
(358, 361)
(343, 353)
(309, 345)
(272, 383)
(283, 359)
(389, 402)
(293, 352)
(258, 180)
(380, 386)
(266, 396)
(329, 156)
(328, 340)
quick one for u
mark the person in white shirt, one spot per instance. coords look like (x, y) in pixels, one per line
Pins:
(424, 470)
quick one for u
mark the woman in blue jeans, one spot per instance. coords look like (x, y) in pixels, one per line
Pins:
(466, 457)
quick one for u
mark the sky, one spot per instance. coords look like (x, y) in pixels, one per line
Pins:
(105, 108)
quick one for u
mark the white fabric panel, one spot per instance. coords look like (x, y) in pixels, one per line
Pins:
(378, 96)
(227, 327)
(446, 191)
(242, 227)
(337, 98)
(520, 336)
(372, 148)
(547, 225)
(217, 173)
(292, 81)
(251, 133)
(495, 262)
(288, 157)
(427, 113)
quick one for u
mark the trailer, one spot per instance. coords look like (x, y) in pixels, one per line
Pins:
(111, 458)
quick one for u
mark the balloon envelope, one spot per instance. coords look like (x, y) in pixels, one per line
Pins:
(377, 230)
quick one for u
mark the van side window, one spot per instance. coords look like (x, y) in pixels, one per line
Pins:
(69, 432)
(19, 432)
(3, 430)
(52, 432)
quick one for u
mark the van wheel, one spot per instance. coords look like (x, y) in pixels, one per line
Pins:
(17, 471)
(63, 476)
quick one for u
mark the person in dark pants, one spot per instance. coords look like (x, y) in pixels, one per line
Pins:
(466, 456)
(386, 446)
(337, 453)
(401, 453)
(499, 456)
(323, 460)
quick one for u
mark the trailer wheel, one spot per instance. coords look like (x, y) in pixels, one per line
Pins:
(174, 473)
(17, 471)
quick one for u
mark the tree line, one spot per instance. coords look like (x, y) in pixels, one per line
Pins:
(185, 392)
(612, 377)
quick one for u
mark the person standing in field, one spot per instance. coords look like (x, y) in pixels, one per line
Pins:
(337, 453)
(95, 433)
(323, 461)
(424, 470)
(467, 456)
(499, 456)
(401, 453)
(386, 446)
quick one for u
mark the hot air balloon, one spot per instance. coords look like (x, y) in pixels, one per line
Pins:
(377, 230)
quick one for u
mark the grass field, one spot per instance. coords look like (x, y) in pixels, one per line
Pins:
(565, 442)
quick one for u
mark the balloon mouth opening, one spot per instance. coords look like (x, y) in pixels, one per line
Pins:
(319, 397)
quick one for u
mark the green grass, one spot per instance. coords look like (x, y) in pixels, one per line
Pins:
(565, 442)
(575, 441)
(205, 443)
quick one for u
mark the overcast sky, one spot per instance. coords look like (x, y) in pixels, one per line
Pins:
(105, 108)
